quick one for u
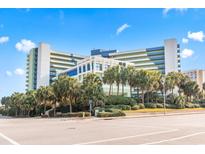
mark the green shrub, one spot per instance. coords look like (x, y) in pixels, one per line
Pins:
(121, 107)
(136, 107)
(180, 102)
(141, 106)
(76, 114)
(119, 100)
(111, 114)
(171, 106)
(159, 105)
(196, 105)
(150, 105)
(189, 105)
(202, 105)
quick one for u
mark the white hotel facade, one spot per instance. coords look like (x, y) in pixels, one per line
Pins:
(45, 64)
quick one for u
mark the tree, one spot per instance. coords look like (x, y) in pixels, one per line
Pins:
(108, 78)
(66, 90)
(92, 88)
(30, 101)
(203, 88)
(16, 102)
(123, 77)
(42, 96)
(191, 88)
(132, 77)
(143, 82)
(117, 77)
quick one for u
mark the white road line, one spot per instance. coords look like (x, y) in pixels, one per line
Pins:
(127, 137)
(174, 139)
(8, 139)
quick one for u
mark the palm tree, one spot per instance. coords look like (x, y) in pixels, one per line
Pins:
(108, 78)
(203, 88)
(143, 82)
(132, 77)
(92, 88)
(66, 90)
(190, 89)
(30, 101)
(116, 76)
(42, 96)
(123, 77)
(16, 102)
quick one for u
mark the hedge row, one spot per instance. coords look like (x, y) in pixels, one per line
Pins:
(74, 114)
(111, 114)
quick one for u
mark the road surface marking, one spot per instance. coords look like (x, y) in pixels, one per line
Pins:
(127, 137)
(174, 139)
(8, 139)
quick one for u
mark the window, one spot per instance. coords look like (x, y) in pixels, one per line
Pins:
(88, 66)
(83, 68)
(80, 69)
(92, 65)
(100, 67)
(97, 66)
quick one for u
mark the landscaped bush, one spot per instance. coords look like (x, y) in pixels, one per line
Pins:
(150, 105)
(119, 100)
(136, 107)
(180, 102)
(202, 105)
(111, 114)
(159, 105)
(171, 106)
(121, 107)
(189, 105)
(196, 105)
(141, 106)
(74, 114)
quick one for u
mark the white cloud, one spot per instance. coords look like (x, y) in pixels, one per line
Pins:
(185, 40)
(187, 53)
(19, 71)
(122, 28)
(9, 73)
(4, 39)
(197, 36)
(25, 45)
(167, 10)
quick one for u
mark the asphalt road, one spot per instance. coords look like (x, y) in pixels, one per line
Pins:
(163, 130)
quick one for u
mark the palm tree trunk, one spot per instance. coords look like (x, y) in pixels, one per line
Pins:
(44, 110)
(143, 96)
(16, 112)
(118, 86)
(110, 89)
(122, 89)
(70, 105)
(54, 110)
(130, 91)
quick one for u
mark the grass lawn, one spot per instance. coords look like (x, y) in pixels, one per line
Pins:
(161, 110)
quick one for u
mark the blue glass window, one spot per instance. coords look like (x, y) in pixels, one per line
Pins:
(83, 68)
(80, 69)
(88, 66)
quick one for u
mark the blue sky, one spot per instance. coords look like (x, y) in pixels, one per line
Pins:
(80, 30)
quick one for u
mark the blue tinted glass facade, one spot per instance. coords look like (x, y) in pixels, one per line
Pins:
(88, 67)
(83, 68)
(80, 69)
(72, 72)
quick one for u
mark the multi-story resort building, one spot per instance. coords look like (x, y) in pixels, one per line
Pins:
(197, 75)
(44, 64)
(97, 65)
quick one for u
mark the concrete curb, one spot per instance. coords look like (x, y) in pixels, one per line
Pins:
(153, 115)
